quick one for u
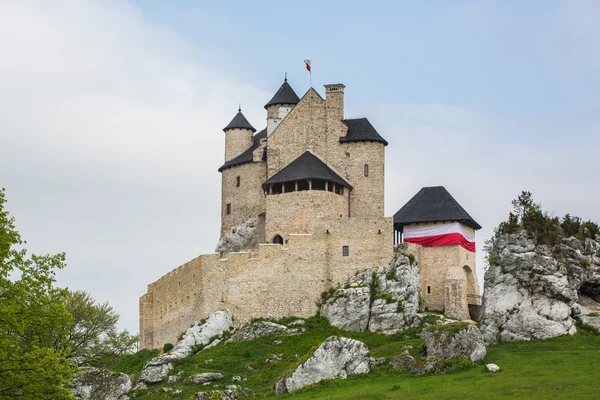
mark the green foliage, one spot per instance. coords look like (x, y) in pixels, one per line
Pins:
(167, 347)
(133, 363)
(528, 215)
(93, 339)
(33, 320)
(411, 257)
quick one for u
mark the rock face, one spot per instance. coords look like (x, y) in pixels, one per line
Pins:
(384, 301)
(337, 357)
(101, 384)
(245, 236)
(454, 341)
(158, 368)
(532, 292)
(205, 377)
(257, 329)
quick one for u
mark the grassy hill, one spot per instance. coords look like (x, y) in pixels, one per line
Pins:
(564, 367)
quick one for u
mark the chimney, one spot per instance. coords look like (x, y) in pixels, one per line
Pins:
(334, 101)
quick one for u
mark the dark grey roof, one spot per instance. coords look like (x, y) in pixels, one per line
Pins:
(239, 121)
(245, 157)
(433, 204)
(285, 95)
(361, 130)
(307, 166)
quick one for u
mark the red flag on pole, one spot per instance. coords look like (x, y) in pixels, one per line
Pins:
(307, 62)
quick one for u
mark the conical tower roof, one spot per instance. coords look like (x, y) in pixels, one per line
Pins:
(285, 95)
(239, 122)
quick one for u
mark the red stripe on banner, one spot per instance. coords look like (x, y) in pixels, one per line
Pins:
(443, 240)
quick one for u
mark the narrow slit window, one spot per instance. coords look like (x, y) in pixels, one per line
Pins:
(193, 278)
(228, 208)
(428, 289)
(366, 170)
(237, 181)
(179, 286)
(345, 251)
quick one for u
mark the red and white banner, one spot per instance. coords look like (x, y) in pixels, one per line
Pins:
(441, 235)
(307, 62)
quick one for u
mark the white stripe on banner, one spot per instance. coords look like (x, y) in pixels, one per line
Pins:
(453, 227)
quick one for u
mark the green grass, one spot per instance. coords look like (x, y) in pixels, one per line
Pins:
(564, 367)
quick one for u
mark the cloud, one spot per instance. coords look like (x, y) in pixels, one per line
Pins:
(111, 139)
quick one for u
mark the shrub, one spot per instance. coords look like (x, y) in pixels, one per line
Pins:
(167, 347)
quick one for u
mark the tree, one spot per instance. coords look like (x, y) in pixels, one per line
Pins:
(33, 320)
(93, 339)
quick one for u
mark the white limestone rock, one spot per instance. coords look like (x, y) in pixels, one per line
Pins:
(242, 237)
(205, 377)
(158, 368)
(337, 357)
(101, 384)
(591, 321)
(257, 329)
(530, 294)
(231, 392)
(348, 309)
(492, 367)
(445, 343)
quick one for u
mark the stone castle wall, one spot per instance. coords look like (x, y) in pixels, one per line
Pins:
(271, 281)
(236, 142)
(446, 282)
(247, 200)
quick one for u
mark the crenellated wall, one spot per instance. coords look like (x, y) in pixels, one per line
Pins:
(272, 281)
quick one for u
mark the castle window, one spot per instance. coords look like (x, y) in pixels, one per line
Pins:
(237, 181)
(193, 278)
(337, 189)
(303, 185)
(341, 190)
(345, 251)
(276, 188)
(366, 169)
(330, 186)
(428, 289)
(318, 184)
(228, 208)
(179, 286)
(289, 186)
(277, 239)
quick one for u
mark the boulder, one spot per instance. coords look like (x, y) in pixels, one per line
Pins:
(245, 236)
(158, 368)
(336, 357)
(533, 292)
(231, 392)
(205, 377)
(452, 341)
(591, 321)
(492, 367)
(101, 384)
(257, 329)
(386, 301)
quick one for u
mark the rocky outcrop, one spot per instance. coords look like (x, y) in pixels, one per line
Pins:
(199, 379)
(231, 392)
(245, 236)
(101, 384)
(533, 292)
(337, 357)
(215, 325)
(454, 341)
(386, 301)
(257, 329)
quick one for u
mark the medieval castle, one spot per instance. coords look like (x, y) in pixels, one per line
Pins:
(312, 182)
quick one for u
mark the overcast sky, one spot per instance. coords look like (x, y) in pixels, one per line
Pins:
(111, 114)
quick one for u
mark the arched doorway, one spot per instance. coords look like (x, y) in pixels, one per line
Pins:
(277, 239)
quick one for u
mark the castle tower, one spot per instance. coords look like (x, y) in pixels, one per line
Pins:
(280, 105)
(445, 235)
(238, 136)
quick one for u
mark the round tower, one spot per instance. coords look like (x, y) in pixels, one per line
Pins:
(280, 105)
(238, 136)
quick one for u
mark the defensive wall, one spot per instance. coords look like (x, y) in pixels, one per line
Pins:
(271, 281)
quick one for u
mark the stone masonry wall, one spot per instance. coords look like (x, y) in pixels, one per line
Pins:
(236, 142)
(272, 281)
(445, 281)
(247, 200)
(295, 212)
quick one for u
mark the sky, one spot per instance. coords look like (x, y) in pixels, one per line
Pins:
(111, 114)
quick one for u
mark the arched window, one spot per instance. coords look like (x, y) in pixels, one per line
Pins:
(277, 239)
(366, 169)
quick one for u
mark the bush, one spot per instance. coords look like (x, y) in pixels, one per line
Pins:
(167, 347)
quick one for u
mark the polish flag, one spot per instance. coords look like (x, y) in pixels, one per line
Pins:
(307, 62)
(441, 235)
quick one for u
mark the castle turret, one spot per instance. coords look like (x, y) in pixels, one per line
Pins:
(238, 136)
(280, 105)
